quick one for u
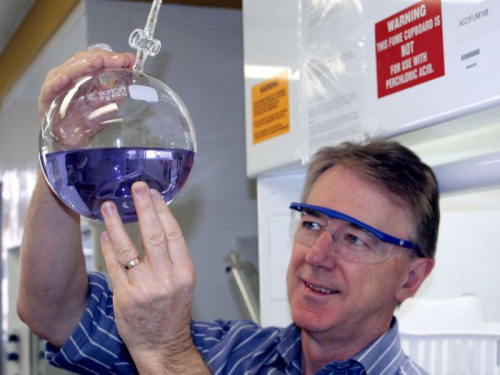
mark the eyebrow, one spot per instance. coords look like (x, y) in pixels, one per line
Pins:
(313, 213)
(364, 230)
(356, 226)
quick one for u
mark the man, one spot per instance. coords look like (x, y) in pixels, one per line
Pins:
(364, 241)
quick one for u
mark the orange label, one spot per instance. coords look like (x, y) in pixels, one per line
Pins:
(270, 108)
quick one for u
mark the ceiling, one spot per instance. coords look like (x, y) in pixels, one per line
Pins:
(12, 13)
(26, 25)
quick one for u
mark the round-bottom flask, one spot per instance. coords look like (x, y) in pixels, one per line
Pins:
(109, 130)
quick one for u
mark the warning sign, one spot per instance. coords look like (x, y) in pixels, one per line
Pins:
(409, 47)
(271, 115)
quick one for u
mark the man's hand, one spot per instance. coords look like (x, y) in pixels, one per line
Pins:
(152, 300)
(77, 66)
(79, 120)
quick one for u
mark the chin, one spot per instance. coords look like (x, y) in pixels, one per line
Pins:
(313, 326)
(311, 321)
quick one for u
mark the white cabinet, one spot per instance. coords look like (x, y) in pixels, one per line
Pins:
(362, 69)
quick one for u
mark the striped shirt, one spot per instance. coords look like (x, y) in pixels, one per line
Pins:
(229, 347)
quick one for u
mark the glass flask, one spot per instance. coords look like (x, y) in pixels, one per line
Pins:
(112, 128)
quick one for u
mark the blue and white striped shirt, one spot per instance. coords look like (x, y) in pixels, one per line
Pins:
(229, 347)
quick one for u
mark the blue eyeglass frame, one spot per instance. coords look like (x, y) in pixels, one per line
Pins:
(380, 235)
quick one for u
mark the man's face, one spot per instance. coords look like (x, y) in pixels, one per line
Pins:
(336, 297)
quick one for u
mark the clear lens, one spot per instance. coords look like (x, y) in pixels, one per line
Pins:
(349, 241)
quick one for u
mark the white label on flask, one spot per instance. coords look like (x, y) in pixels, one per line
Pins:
(145, 93)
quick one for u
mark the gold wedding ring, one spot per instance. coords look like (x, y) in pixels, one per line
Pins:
(132, 263)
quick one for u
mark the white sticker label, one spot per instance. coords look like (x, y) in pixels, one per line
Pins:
(473, 57)
(145, 93)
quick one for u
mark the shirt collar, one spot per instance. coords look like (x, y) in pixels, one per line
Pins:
(384, 355)
(288, 347)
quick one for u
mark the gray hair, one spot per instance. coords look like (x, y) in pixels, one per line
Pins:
(397, 171)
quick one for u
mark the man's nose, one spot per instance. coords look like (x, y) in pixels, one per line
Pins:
(322, 252)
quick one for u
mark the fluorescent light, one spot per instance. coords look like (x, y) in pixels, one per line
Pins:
(261, 72)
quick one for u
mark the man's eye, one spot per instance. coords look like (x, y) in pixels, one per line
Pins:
(354, 240)
(360, 241)
(311, 225)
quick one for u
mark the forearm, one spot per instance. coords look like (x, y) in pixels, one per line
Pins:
(53, 281)
(187, 361)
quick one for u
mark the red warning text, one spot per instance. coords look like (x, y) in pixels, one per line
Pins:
(409, 47)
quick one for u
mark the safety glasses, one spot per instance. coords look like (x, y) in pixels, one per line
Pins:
(352, 239)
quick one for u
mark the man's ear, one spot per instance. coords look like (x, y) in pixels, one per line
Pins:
(418, 270)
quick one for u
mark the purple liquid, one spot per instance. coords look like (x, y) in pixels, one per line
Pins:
(85, 179)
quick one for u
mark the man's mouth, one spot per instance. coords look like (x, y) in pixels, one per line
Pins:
(320, 289)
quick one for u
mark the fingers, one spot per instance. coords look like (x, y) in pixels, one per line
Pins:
(60, 77)
(177, 248)
(162, 239)
(50, 90)
(82, 63)
(120, 243)
(115, 270)
(153, 235)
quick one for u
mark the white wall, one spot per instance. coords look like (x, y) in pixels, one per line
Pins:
(468, 249)
(468, 252)
(201, 59)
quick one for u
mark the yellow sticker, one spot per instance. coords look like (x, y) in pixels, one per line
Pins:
(270, 107)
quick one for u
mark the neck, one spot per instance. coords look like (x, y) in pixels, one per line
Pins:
(319, 349)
